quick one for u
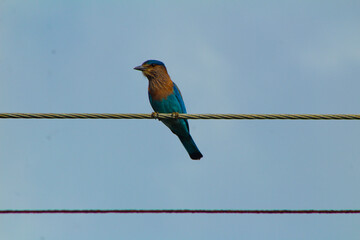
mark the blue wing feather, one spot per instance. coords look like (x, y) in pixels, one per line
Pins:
(179, 98)
(181, 101)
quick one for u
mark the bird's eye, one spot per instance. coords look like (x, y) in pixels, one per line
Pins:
(153, 65)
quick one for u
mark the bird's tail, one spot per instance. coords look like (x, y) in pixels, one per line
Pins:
(190, 147)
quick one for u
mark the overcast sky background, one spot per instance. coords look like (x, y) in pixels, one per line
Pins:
(226, 57)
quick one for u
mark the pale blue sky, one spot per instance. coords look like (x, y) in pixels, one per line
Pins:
(226, 57)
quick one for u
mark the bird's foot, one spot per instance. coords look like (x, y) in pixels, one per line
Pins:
(155, 115)
(175, 115)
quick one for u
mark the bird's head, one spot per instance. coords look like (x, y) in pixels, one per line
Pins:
(152, 68)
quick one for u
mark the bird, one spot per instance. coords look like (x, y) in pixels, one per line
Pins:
(165, 97)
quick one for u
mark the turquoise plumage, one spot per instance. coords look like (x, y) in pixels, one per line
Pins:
(165, 97)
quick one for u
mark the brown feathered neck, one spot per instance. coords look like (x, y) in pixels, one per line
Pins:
(160, 84)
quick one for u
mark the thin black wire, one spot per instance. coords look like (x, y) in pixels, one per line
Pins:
(179, 211)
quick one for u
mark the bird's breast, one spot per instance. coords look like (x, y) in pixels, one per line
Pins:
(160, 91)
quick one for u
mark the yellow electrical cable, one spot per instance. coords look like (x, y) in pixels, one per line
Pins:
(180, 116)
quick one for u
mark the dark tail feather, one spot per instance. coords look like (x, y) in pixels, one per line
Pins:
(191, 147)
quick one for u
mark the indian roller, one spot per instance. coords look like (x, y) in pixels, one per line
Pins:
(165, 97)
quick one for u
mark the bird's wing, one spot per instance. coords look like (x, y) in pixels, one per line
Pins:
(181, 102)
(179, 98)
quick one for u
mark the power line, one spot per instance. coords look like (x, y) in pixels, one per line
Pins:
(179, 211)
(180, 116)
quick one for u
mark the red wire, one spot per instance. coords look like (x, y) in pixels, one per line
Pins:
(143, 211)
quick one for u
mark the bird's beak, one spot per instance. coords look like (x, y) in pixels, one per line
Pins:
(140, 68)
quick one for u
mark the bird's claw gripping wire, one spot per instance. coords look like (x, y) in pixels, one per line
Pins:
(155, 115)
(175, 115)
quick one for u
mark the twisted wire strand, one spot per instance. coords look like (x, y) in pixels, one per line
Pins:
(179, 116)
(183, 211)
